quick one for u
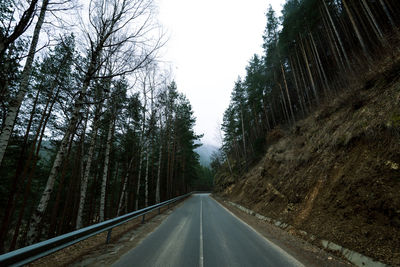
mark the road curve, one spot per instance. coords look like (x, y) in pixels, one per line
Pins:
(203, 233)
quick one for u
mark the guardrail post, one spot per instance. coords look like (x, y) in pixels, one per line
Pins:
(159, 211)
(47, 247)
(143, 218)
(108, 236)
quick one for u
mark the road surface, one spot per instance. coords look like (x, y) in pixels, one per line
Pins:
(203, 233)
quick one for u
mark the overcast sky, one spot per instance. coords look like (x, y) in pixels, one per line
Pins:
(210, 44)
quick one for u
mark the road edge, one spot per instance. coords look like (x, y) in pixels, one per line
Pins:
(295, 261)
(307, 253)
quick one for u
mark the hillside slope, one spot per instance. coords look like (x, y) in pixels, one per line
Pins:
(336, 174)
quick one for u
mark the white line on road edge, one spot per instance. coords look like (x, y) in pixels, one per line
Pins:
(201, 263)
(353, 256)
(283, 252)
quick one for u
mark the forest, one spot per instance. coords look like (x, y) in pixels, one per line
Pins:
(92, 126)
(311, 54)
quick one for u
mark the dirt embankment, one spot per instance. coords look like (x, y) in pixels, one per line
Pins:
(336, 174)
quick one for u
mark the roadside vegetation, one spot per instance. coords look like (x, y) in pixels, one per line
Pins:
(92, 126)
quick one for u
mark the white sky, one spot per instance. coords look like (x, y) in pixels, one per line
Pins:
(210, 44)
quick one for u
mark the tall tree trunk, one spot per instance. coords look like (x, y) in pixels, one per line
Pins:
(273, 114)
(146, 179)
(86, 173)
(385, 9)
(265, 114)
(139, 180)
(337, 34)
(303, 80)
(24, 85)
(299, 96)
(287, 94)
(75, 116)
(283, 104)
(92, 203)
(318, 63)
(33, 157)
(10, 207)
(373, 23)
(355, 28)
(123, 190)
(124, 193)
(309, 71)
(141, 142)
(159, 164)
(105, 170)
(172, 166)
(332, 42)
(53, 223)
(64, 220)
(168, 193)
(39, 212)
(243, 135)
(159, 173)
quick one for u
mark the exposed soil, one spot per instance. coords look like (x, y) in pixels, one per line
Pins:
(95, 252)
(336, 174)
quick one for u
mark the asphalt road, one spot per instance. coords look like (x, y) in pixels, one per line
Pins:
(203, 233)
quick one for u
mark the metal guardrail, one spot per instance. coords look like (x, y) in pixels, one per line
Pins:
(33, 252)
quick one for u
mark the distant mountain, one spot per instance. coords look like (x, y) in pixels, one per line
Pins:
(205, 152)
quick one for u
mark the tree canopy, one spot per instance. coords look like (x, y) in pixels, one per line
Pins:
(309, 53)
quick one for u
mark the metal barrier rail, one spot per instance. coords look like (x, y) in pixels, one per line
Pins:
(33, 252)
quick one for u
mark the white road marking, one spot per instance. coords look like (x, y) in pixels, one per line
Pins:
(287, 255)
(201, 263)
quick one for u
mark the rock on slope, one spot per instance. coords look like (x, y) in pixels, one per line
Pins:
(336, 174)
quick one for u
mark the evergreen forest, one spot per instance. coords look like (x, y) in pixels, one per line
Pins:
(92, 126)
(311, 54)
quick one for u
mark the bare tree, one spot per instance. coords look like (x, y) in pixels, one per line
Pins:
(5, 41)
(143, 142)
(23, 88)
(159, 161)
(12, 32)
(117, 31)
